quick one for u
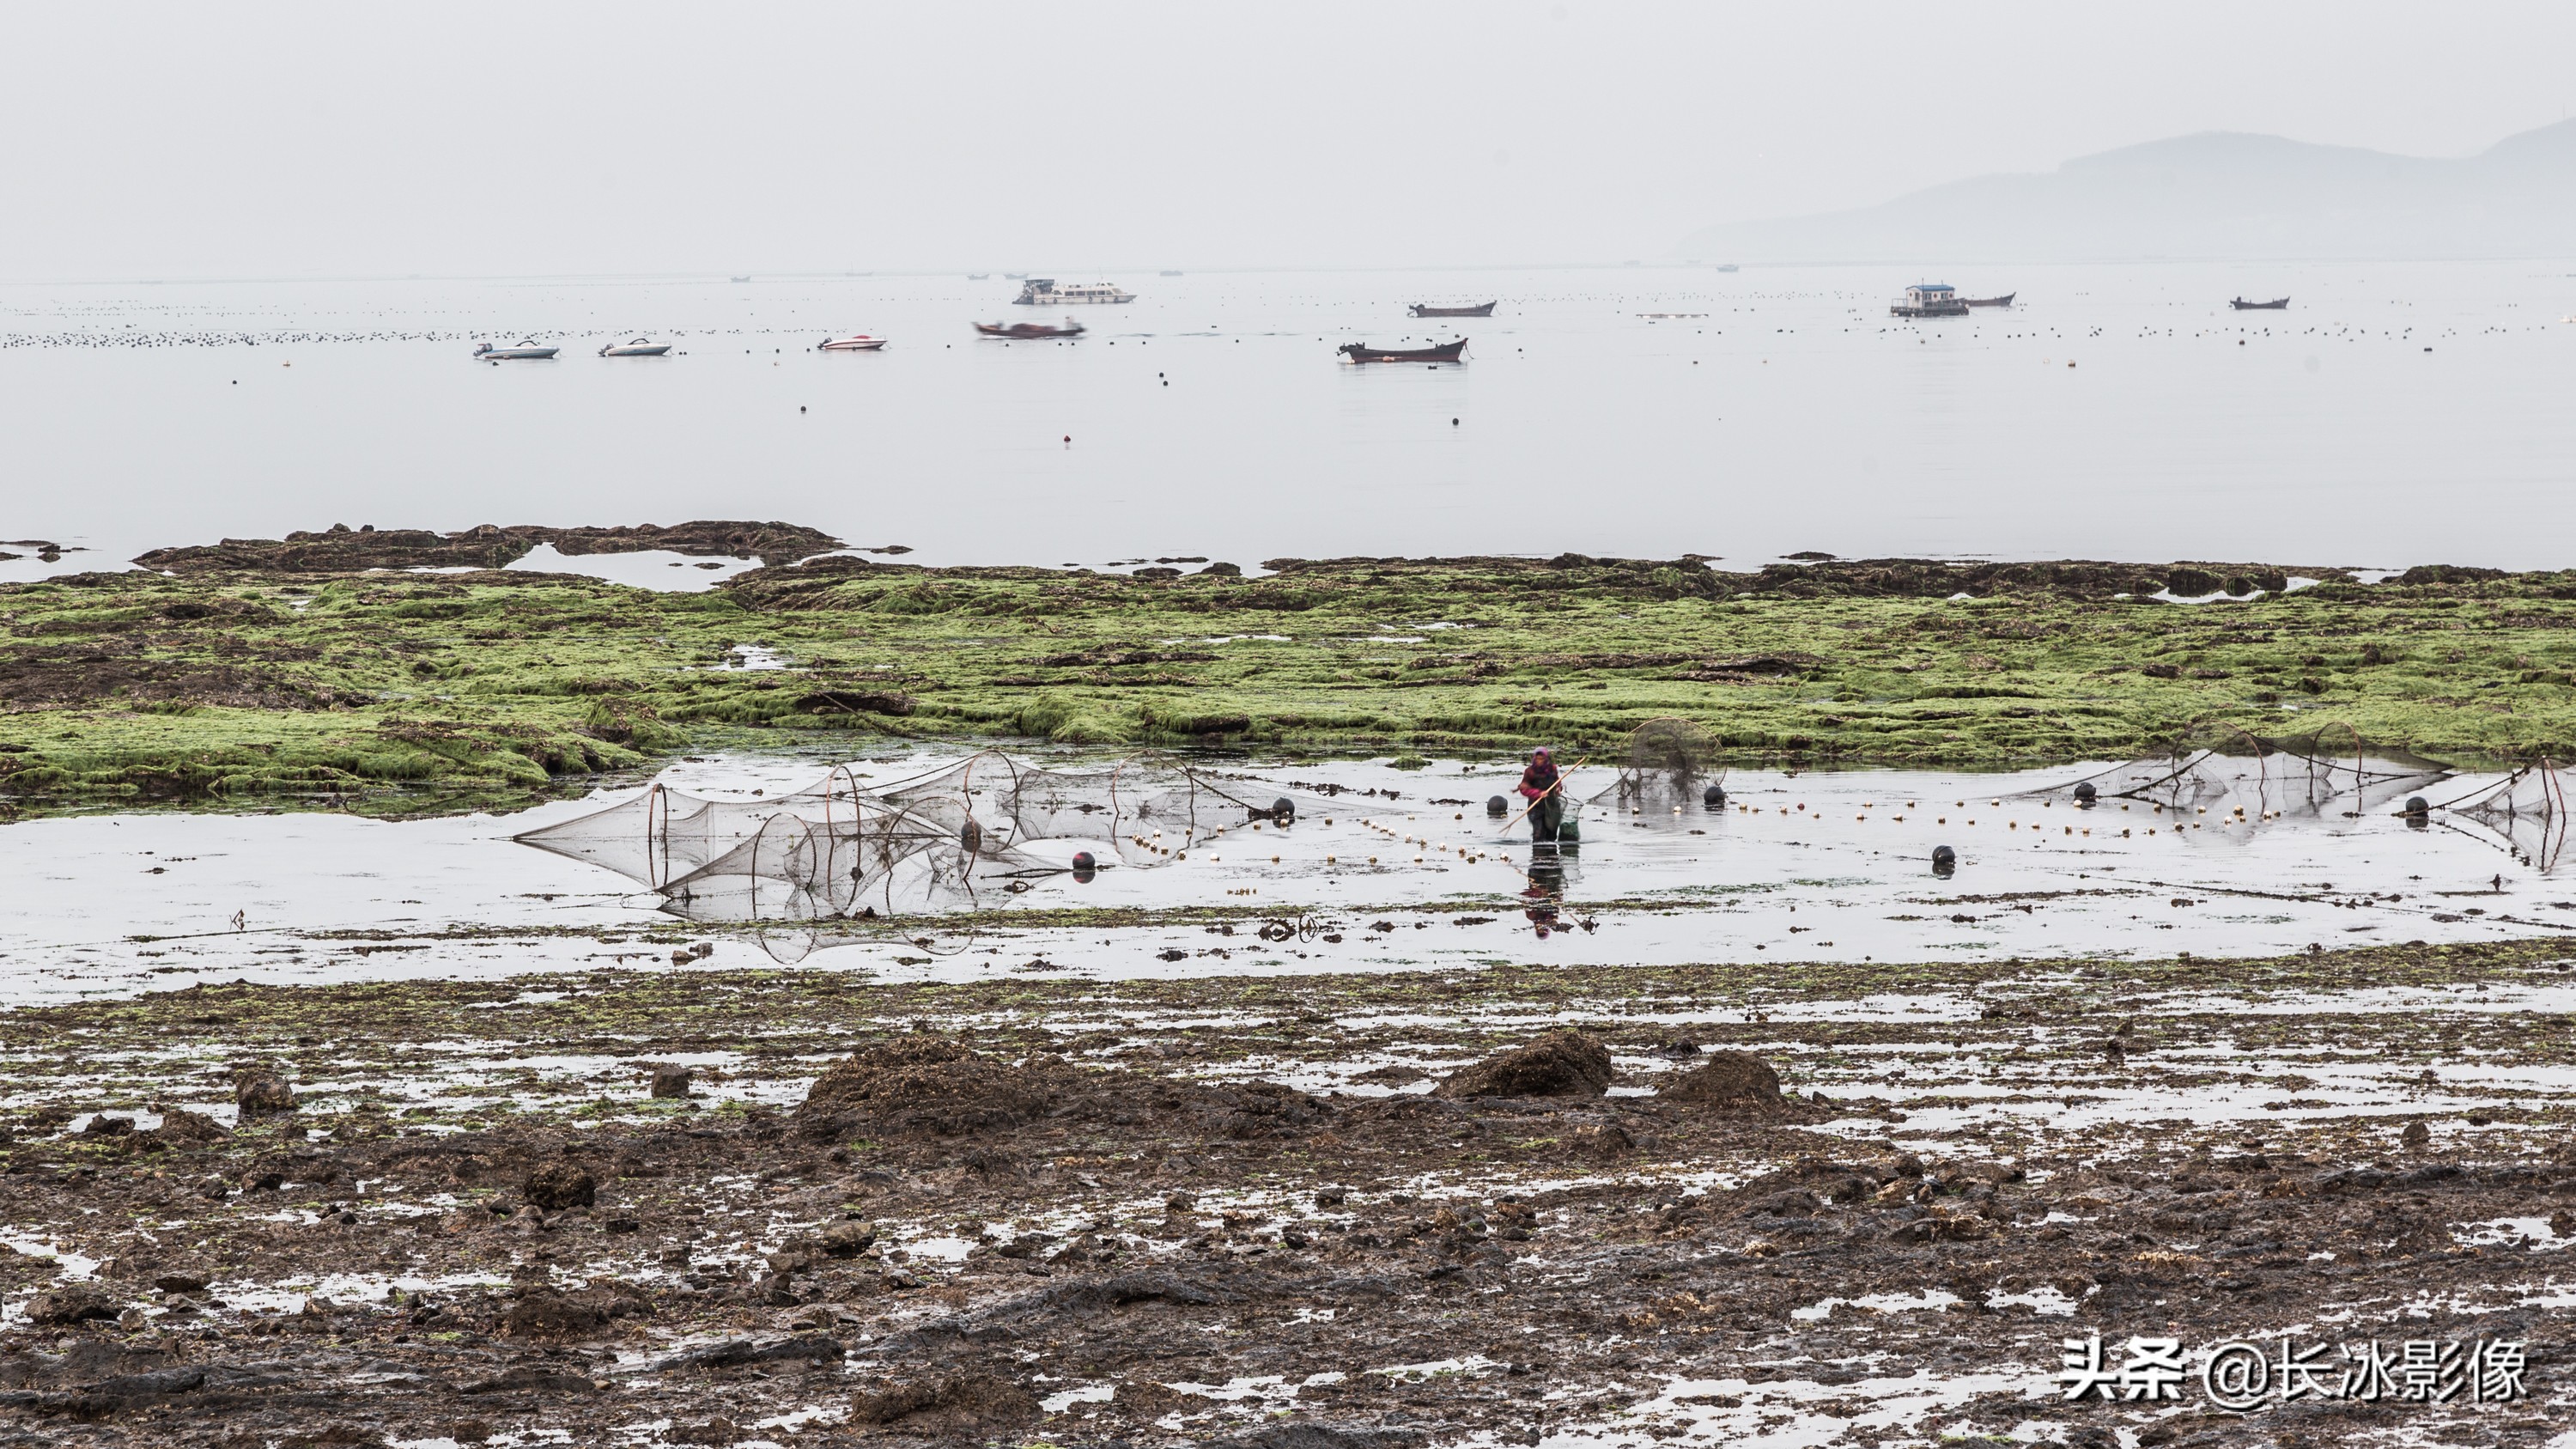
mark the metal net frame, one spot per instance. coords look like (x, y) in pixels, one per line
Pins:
(2331, 768)
(945, 840)
(1662, 762)
(2532, 810)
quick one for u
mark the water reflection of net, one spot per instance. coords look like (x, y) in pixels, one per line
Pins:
(2331, 770)
(948, 840)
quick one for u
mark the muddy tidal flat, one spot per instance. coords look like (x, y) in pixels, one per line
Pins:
(1708, 1205)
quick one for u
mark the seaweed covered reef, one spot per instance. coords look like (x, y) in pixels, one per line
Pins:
(307, 672)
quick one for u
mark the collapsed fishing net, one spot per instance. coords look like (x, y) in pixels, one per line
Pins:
(947, 840)
(1663, 762)
(2329, 770)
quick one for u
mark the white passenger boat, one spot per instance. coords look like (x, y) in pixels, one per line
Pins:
(855, 342)
(640, 347)
(526, 351)
(1044, 292)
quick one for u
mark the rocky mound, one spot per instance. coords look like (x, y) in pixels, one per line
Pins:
(341, 549)
(2069, 578)
(936, 1085)
(1563, 1063)
(1738, 1081)
(963, 1404)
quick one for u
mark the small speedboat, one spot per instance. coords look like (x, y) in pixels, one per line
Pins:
(1481, 309)
(1362, 352)
(528, 350)
(640, 347)
(855, 342)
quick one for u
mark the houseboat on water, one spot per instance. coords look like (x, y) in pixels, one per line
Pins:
(1931, 299)
(1044, 291)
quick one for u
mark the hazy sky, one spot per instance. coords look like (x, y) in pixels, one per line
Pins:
(181, 140)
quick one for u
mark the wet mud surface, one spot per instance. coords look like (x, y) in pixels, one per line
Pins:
(1787, 1204)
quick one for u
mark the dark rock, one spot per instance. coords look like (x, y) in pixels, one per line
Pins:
(1563, 1063)
(179, 1126)
(71, 1303)
(544, 1313)
(1728, 1079)
(560, 1185)
(847, 1238)
(670, 1080)
(260, 1093)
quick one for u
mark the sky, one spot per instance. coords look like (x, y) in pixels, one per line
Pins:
(158, 140)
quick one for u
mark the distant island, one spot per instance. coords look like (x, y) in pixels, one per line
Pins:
(2218, 195)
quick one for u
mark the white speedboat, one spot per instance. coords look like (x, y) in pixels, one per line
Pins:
(640, 347)
(1044, 291)
(855, 342)
(528, 350)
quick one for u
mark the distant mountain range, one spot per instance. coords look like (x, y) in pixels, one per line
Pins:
(2221, 195)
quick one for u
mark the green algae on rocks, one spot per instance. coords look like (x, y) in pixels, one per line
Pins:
(252, 679)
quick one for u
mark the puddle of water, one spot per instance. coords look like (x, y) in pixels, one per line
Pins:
(1792, 1413)
(657, 569)
(1810, 867)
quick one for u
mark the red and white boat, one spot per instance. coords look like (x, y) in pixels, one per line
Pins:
(855, 342)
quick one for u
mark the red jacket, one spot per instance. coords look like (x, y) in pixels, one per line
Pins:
(1537, 778)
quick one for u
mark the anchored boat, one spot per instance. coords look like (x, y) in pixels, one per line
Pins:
(526, 351)
(1423, 309)
(1931, 299)
(640, 347)
(1029, 331)
(2277, 304)
(1362, 352)
(855, 342)
(2003, 301)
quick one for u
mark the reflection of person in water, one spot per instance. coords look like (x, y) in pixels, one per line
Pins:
(1546, 893)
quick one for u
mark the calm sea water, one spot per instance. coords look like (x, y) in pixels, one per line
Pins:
(2395, 414)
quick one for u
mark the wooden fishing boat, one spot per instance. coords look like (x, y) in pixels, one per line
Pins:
(1029, 331)
(2003, 301)
(2277, 304)
(1425, 309)
(1362, 352)
(1931, 299)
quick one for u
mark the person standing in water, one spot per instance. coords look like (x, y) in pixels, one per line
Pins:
(1539, 786)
